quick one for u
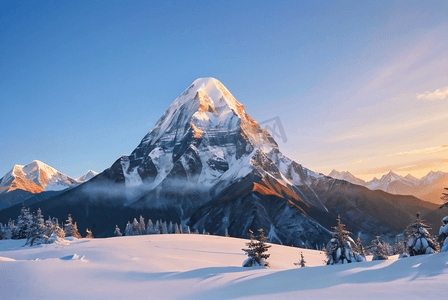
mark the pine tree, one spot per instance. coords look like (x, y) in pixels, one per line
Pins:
(129, 229)
(54, 233)
(2, 232)
(360, 248)
(149, 227)
(9, 229)
(176, 229)
(68, 228)
(135, 227)
(157, 227)
(75, 231)
(24, 221)
(141, 227)
(256, 251)
(301, 262)
(164, 228)
(400, 248)
(340, 248)
(89, 234)
(35, 234)
(226, 233)
(443, 235)
(379, 249)
(418, 239)
(170, 227)
(117, 231)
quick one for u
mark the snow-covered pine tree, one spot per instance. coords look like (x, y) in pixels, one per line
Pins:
(339, 249)
(301, 262)
(157, 227)
(443, 235)
(36, 232)
(68, 227)
(226, 233)
(164, 228)
(9, 229)
(54, 233)
(75, 231)
(188, 230)
(170, 227)
(89, 234)
(135, 227)
(142, 227)
(256, 251)
(360, 249)
(400, 247)
(117, 231)
(129, 229)
(2, 232)
(150, 227)
(24, 221)
(176, 229)
(379, 249)
(418, 239)
(160, 226)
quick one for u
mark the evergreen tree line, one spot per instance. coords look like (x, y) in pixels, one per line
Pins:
(342, 249)
(139, 227)
(36, 230)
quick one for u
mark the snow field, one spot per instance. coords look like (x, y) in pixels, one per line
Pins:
(176, 266)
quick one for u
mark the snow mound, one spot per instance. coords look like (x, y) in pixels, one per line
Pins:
(6, 259)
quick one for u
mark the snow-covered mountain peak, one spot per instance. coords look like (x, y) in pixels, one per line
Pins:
(431, 176)
(35, 177)
(86, 177)
(207, 106)
(347, 176)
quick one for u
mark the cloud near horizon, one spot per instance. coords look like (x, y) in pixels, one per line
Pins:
(437, 94)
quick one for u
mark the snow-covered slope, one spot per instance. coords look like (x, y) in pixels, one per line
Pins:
(205, 267)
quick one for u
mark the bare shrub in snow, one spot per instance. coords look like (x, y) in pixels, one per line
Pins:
(301, 262)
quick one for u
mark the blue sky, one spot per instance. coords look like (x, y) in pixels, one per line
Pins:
(358, 85)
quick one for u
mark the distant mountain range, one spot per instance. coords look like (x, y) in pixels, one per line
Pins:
(35, 179)
(207, 164)
(428, 188)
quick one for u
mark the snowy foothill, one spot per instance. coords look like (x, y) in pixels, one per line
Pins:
(191, 266)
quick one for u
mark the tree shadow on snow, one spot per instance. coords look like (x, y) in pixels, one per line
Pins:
(321, 277)
(203, 274)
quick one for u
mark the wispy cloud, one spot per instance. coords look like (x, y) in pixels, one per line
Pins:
(437, 94)
(426, 151)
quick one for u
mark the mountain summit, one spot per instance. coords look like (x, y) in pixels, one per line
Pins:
(208, 165)
(23, 182)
